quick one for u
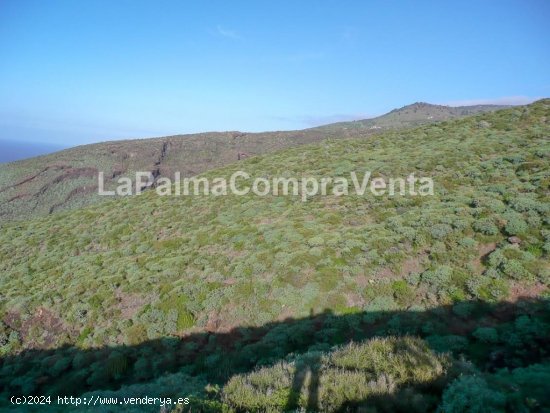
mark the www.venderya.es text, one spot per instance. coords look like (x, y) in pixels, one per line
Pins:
(96, 400)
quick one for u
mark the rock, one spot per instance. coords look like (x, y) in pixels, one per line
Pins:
(514, 240)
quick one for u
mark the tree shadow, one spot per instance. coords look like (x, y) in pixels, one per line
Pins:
(217, 357)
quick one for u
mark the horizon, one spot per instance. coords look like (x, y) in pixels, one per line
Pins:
(94, 72)
(14, 150)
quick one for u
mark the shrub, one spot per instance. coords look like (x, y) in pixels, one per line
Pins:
(514, 269)
(413, 278)
(403, 293)
(463, 309)
(515, 224)
(440, 231)
(438, 278)
(471, 394)
(530, 387)
(379, 304)
(315, 241)
(444, 344)
(496, 258)
(467, 242)
(486, 334)
(488, 289)
(485, 226)
(524, 204)
(533, 219)
(492, 273)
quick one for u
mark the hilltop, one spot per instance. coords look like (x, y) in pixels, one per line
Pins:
(416, 114)
(68, 179)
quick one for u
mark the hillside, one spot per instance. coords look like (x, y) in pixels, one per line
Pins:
(152, 292)
(416, 114)
(68, 179)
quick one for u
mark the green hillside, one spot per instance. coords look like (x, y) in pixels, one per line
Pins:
(68, 179)
(151, 292)
(416, 114)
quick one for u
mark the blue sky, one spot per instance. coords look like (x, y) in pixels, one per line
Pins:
(74, 72)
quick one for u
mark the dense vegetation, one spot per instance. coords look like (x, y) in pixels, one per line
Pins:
(125, 290)
(469, 356)
(68, 180)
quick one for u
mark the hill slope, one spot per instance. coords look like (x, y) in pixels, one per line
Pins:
(233, 260)
(68, 179)
(416, 114)
(250, 295)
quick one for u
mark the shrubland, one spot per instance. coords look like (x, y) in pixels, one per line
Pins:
(68, 179)
(108, 293)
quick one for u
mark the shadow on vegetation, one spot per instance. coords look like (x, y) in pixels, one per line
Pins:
(464, 329)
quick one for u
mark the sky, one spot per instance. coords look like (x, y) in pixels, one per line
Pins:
(74, 72)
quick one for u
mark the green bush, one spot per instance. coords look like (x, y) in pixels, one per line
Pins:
(438, 278)
(515, 224)
(515, 270)
(447, 343)
(486, 226)
(403, 293)
(440, 231)
(463, 309)
(486, 334)
(471, 394)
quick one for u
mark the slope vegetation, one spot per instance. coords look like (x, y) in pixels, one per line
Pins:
(240, 301)
(162, 264)
(69, 179)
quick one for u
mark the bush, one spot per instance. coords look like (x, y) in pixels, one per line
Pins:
(471, 394)
(403, 293)
(438, 278)
(486, 334)
(514, 269)
(488, 289)
(467, 242)
(524, 204)
(496, 258)
(485, 226)
(463, 309)
(444, 344)
(515, 224)
(315, 241)
(440, 231)
(530, 387)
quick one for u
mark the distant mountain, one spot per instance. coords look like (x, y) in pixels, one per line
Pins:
(68, 179)
(418, 113)
(14, 151)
